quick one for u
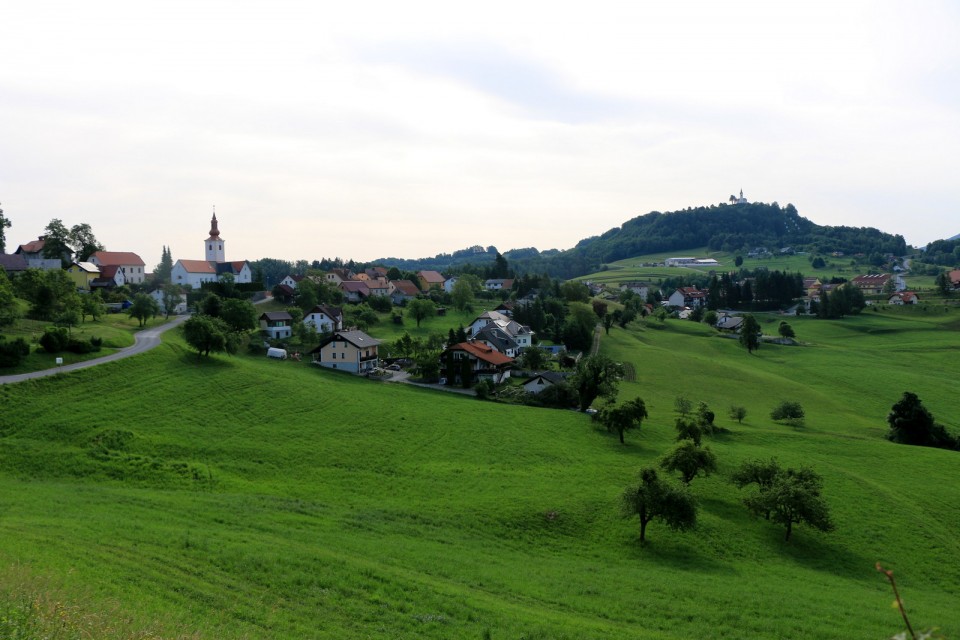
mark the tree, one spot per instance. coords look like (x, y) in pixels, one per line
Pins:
(750, 333)
(240, 315)
(737, 413)
(688, 430)
(792, 497)
(789, 412)
(608, 321)
(944, 286)
(421, 308)
(738, 261)
(710, 318)
(655, 498)
(574, 291)
(599, 308)
(705, 418)
(56, 244)
(205, 334)
(621, 419)
(690, 460)
(682, 405)
(82, 241)
(171, 298)
(143, 307)
(211, 305)
(532, 358)
(91, 305)
(8, 301)
(4, 225)
(758, 472)
(786, 331)
(911, 423)
(162, 271)
(463, 290)
(596, 376)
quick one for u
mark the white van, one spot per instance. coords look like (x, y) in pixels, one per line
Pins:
(280, 354)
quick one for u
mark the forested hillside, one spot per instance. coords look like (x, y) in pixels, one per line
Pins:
(719, 227)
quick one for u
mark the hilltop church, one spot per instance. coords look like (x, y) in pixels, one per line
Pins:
(193, 273)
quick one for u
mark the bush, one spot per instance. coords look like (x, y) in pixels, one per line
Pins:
(83, 346)
(54, 340)
(484, 389)
(789, 412)
(13, 353)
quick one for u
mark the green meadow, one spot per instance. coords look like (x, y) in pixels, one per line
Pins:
(235, 497)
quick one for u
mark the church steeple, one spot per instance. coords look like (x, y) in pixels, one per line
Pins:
(213, 246)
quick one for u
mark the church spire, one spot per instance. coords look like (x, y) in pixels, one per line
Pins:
(214, 232)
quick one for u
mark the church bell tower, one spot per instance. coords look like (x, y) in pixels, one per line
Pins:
(214, 244)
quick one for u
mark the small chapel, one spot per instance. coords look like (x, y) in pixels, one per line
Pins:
(193, 273)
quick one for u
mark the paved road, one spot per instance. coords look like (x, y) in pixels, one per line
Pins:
(143, 341)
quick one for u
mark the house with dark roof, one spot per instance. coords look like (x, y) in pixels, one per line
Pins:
(324, 319)
(13, 263)
(403, 291)
(542, 381)
(872, 283)
(352, 351)
(520, 333)
(493, 336)
(475, 360)
(354, 291)
(276, 324)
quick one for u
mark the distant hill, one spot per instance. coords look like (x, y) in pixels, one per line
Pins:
(719, 227)
(956, 237)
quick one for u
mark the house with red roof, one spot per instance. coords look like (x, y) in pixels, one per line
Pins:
(130, 264)
(954, 278)
(687, 297)
(354, 291)
(403, 290)
(871, 283)
(430, 280)
(903, 297)
(475, 361)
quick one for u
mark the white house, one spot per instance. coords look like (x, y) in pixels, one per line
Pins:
(324, 319)
(449, 282)
(352, 351)
(132, 266)
(541, 381)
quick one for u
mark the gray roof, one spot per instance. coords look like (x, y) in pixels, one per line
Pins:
(497, 337)
(13, 262)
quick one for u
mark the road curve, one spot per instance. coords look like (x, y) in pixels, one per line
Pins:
(142, 341)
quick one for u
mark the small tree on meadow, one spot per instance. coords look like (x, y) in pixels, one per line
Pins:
(737, 413)
(143, 308)
(657, 499)
(911, 423)
(793, 497)
(596, 377)
(629, 415)
(689, 430)
(750, 333)
(786, 331)
(682, 405)
(689, 460)
(788, 412)
(420, 309)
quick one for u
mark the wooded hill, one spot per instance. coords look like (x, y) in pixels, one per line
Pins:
(721, 227)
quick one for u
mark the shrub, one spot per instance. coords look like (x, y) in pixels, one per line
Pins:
(789, 412)
(54, 340)
(484, 389)
(12, 353)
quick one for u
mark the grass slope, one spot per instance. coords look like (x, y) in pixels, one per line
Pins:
(236, 497)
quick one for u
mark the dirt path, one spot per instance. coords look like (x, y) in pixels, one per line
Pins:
(142, 341)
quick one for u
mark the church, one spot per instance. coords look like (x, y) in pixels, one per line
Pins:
(193, 273)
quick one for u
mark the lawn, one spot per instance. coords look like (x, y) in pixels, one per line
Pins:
(246, 498)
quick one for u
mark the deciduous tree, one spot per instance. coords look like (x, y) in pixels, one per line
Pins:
(657, 499)
(750, 333)
(205, 334)
(793, 497)
(596, 376)
(143, 307)
(420, 309)
(619, 420)
(689, 460)
(911, 423)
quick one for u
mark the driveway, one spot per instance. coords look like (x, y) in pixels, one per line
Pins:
(142, 341)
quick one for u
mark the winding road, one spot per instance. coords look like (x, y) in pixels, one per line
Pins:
(143, 341)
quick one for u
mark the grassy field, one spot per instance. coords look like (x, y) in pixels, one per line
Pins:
(116, 330)
(165, 496)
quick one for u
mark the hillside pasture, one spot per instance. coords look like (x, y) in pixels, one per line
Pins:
(246, 498)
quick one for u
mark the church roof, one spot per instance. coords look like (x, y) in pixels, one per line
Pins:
(214, 232)
(198, 266)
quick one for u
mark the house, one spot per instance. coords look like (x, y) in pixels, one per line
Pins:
(506, 308)
(495, 337)
(679, 262)
(903, 297)
(403, 290)
(82, 274)
(324, 319)
(477, 360)
(430, 280)
(239, 269)
(336, 276)
(729, 323)
(291, 281)
(276, 324)
(193, 273)
(13, 263)
(687, 297)
(180, 301)
(496, 284)
(284, 293)
(954, 278)
(541, 381)
(32, 252)
(352, 351)
(642, 289)
(354, 291)
(521, 334)
(872, 283)
(376, 273)
(378, 287)
(811, 285)
(132, 266)
(111, 277)
(449, 282)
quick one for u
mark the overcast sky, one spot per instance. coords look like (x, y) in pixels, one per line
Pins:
(412, 128)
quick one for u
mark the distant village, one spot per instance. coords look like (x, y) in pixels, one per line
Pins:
(487, 349)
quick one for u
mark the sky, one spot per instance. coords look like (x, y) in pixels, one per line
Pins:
(407, 129)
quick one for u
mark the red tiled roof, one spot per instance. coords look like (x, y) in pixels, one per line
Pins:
(198, 266)
(109, 271)
(482, 352)
(355, 286)
(118, 257)
(431, 277)
(32, 247)
(871, 279)
(406, 287)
